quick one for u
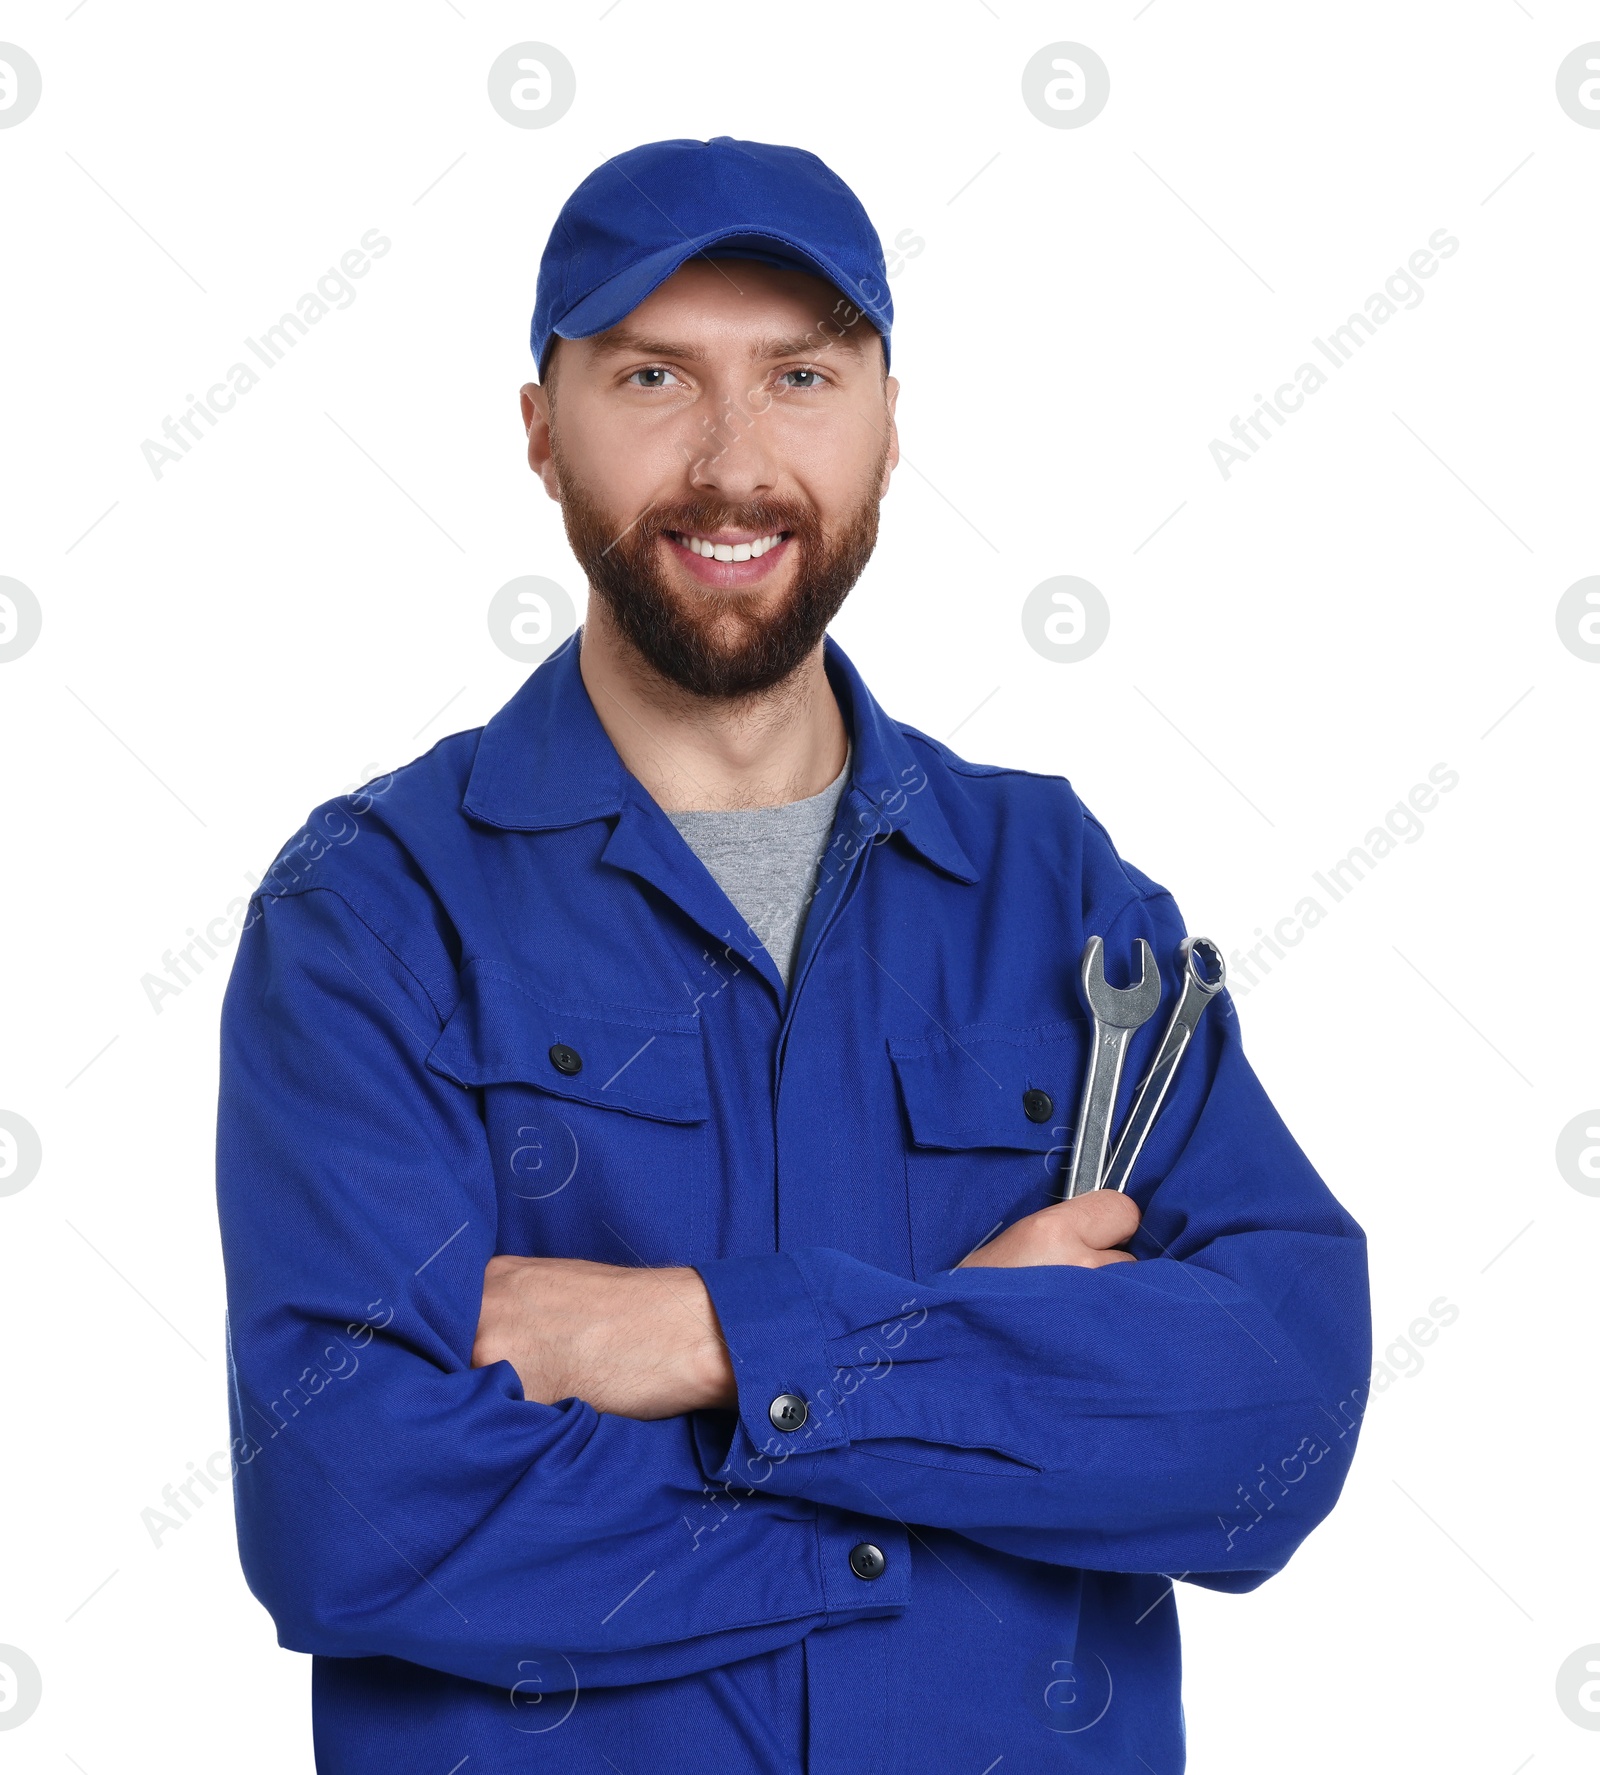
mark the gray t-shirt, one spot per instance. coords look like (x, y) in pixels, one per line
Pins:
(765, 859)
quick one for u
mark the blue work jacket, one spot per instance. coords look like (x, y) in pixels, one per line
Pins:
(493, 1003)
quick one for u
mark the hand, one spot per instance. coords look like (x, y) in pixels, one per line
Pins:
(1080, 1231)
(638, 1342)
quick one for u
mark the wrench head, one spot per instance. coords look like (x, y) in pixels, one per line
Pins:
(1200, 961)
(1123, 1007)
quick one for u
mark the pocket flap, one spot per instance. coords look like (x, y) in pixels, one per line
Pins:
(974, 1086)
(647, 1063)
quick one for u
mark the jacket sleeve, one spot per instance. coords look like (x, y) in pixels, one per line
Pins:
(391, 1499)
(1192, 1414)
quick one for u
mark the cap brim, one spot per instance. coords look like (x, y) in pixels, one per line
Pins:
(618, 296)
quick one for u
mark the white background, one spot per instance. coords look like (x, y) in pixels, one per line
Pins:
(301, 601)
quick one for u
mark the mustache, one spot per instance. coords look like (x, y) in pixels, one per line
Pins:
(704, 516)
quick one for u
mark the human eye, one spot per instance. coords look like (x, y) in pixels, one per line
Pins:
(803, 376)
(653, 376)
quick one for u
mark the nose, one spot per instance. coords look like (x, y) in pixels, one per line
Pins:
(731, 456)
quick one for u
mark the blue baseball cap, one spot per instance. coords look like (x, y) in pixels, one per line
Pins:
(638, 217)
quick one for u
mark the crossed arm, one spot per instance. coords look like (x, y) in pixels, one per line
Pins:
(503, 1447)
(645, 1343)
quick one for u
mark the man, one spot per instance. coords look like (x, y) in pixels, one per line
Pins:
(655, 1342)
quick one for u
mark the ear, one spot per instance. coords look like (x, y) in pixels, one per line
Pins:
(536, 422)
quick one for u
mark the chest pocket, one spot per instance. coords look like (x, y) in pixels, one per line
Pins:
(990, 1113)
(596, 1116)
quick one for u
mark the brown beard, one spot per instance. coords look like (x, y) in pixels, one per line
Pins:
(711, 643)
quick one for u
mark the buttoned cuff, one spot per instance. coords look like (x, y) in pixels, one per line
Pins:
(788, 1404)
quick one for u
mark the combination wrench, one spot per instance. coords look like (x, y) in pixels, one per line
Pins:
(1117, 1013)
(1204, 975)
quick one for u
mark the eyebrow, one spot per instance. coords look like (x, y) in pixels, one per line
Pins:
(625, 342)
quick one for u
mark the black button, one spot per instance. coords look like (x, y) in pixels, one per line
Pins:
(867, 1561)
(788, 1411)
(1038, 1106)
(565, 1059)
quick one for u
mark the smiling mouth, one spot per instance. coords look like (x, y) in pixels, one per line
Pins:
(751, 549)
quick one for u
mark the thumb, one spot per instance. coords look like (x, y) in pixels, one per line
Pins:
(1105, 1218)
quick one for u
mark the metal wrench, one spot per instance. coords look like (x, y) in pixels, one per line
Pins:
(1117, 1013)
(1204, 975)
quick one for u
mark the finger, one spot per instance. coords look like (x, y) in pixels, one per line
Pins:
(993, 1256)
(1104, 1217)
(1100, 1259)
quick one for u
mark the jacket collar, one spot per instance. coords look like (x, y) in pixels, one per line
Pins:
(544, 761)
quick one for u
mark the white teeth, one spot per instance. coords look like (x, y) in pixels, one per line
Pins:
(731, 551)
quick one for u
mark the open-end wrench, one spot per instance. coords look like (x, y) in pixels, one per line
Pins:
(1204, 974)
(1117, 1013)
